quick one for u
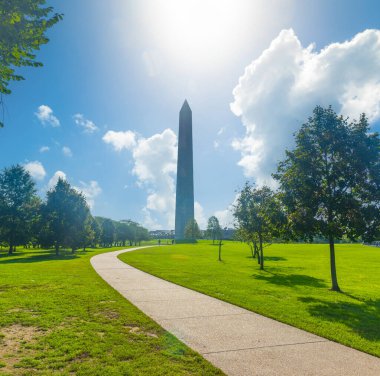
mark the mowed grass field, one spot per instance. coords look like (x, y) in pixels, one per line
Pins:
(293, 288)
(58, 317)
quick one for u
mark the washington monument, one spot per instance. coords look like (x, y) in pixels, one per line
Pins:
(184, 206)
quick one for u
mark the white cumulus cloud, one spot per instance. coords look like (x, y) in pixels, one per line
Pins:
(120, 140)
(225, 217)
(54, 179)
(36, 170)
(87, 125)
(154, 165)
(67, 151)
(44, 149)
(279, 90)
(45, 116)
(90, 190)
(200, 215)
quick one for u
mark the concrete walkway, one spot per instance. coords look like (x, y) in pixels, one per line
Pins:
(237, 341)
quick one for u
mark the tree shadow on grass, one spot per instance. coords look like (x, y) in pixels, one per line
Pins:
(40, 256)
(22, 251)
(274, 258)
(269, 258)
(362, 317)
(291, 280)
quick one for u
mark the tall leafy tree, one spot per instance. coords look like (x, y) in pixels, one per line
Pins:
(94, 234)
(192, 231)
(259, 216)
(19, 206)
(122, 232)
(132, 231)
(107, 232)
(141, 234)
(65, 215)
(23, 30)
(213, 228)
(330, 182)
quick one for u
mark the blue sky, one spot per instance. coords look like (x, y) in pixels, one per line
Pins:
(116, 74)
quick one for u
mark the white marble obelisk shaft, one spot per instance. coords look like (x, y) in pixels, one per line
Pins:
(184, 209)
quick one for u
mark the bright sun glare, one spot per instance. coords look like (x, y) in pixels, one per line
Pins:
(199, 31)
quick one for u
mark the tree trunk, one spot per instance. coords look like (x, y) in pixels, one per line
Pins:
(56, 248)
(261, 253)
(257, 253)
(256, 250)
(10, 252)
(252, 253)
(334, 280)
(220, 251)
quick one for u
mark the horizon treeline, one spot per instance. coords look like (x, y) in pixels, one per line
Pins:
(62, 221)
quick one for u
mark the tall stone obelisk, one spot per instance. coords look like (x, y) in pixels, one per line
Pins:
(184, 207)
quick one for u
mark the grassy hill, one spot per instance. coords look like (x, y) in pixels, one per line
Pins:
(293, 288)
(58, 317)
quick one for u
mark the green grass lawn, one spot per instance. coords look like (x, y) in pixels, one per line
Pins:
(58, 317)
(293, 289)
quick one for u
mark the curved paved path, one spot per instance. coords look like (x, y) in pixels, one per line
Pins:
(237, 341)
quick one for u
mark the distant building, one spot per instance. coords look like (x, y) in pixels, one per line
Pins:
(162, 234)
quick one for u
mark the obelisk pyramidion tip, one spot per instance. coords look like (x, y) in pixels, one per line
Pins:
(185, 106)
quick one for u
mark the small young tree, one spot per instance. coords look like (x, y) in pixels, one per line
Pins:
(259, 215)
(249, 238)
(330, 182)
(220, 243)
(213, 228)
(192, 231)
(19, 206)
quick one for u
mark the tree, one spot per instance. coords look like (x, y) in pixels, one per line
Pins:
(23, 30)
(19, 206)
(243, 235)
(259, 216)
(192, 231)
(132, 231)
(330, 182)
(141, 234)
(221, 232)
(213, 228)
(121, 233)
(94, 239)
(107, 232)
(65, 215)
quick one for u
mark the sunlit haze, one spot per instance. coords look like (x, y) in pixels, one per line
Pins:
(103, 110)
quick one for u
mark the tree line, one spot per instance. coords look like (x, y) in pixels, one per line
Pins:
(329, 186)
(62, 220)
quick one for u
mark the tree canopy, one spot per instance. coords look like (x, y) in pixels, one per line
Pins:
(18, 206)
(66, 214)
(330, 182)
(192, 231)
(62, 220)
(259, 217)
(23, 30)
(213, 228)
